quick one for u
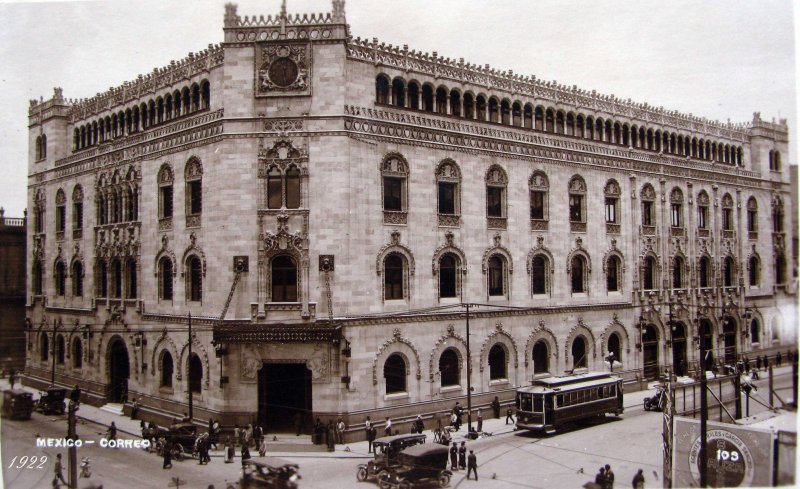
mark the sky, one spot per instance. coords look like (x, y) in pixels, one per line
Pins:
(720, 59)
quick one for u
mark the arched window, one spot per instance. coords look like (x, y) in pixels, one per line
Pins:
(648, 205)
(613, 273)
(283, 190)
(167, 368)
(448, 275)
(194, 284)
(676, 208)
(44, 347)
(77, 279)
(541, 357)
(61, 211)
(77, 353)
(612, 194)
(165, 181)
(777, 215)
(780, 269)
(496, 265)
(77, 208)
(755, 332)
(449, 368)
(727, 212)
(753, 271)
(614, 346)
(131, 276)
(394, 371)
(284, 279)
(195, 373)
(293, 188)
(493, 110)
(116, 279)
(413, 95)
(649, 278)
(441, 100)
(704, 271)
(60, 349)
(448, 180)
(37, 278)
(702, 211)
(165, 278)
(498, 366)
(579, 352)
(539, 188)
(578, 274)
(394, 173)
(427, 98)
(194, 192)
(496, 183)
(382, 90)
(61, 278)
(398, 93)
(455, 103)
(677, 273)
(274, 191)
(539, 276)
(393, 277)
(728, 272)
(577, 204)
(102, 279)
(752, 218)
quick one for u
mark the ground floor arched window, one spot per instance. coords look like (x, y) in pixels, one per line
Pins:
(614, 346)
(195, 373)
(498, 364)
(394, 371)
(579, 352)
(449, 368)
(77, 353)
(167, 368)
(541, 357)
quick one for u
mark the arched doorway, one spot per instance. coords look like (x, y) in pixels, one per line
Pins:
(118, 371)
(707, 342)
(284, 390)
(729, 335)
(650, 352)
(679, 362)
(579, 352)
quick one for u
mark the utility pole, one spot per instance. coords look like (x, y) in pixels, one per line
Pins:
(53, 351)
(469, 379)
(189, 369)
(703, 411)
(72, 454)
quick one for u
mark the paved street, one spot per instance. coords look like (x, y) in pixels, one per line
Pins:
(515, 459)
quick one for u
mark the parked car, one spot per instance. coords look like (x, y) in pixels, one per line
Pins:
(419, 465)
(52, 401)
(269, 473)
(386, 450)
(17, 404)
(182, 437)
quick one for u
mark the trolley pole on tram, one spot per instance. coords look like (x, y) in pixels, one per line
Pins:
(469, 379)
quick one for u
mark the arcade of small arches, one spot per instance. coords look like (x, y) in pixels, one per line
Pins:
(143, 116)
(424, 96)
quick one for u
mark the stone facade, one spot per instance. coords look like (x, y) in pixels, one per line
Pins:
(325, 206)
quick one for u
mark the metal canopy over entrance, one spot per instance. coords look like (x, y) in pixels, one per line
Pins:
(284, 390)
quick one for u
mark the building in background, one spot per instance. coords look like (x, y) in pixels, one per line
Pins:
(323, 206)
(12, 292)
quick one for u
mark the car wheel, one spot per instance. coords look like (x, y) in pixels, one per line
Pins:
(362, 474)
(444, 480)
(384, 484)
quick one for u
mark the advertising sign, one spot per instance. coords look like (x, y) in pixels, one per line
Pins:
(736, 456)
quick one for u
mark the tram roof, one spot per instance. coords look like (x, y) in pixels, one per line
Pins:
(570, 382)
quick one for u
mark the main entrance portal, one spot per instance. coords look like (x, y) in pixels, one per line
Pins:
(650, 352)
(118, 371)
(284, 389)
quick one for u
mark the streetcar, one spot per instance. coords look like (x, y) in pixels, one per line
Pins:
(550, 402)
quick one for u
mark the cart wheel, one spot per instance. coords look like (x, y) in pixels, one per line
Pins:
(444, 480)
(362, 474)
(178, 453)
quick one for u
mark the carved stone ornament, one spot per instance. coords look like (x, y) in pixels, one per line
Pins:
(283, 69)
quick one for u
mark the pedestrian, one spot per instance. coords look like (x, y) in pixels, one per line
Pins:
(134, 408)
(766, 362)
(330, 438)
(419, 425)
(166, 452)
(496, 407)
(206, 446)
(248, 434)
(245, 452)
(340, 429)
(480, 424)
(258, 435)
(319, 432)
(609, 478)
(214, 439)
(229, 450)
(262, 447)
(459, 413)
(454, 421)
(75, 395)
(600, 478)
(198, 446)
(638, 479)
(387, 429)
(58, 470)
(778, 359)
(462, 455)
(12, 376)
(472, 464)
(746, 364)
(509, 415)
(298, 423)
(438, 420)
(185, 418)
(236, 434)
(454, 456)
(370, 433)
(758, 362)
(112, 432)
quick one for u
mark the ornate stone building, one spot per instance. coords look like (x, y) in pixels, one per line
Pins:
(323, 206)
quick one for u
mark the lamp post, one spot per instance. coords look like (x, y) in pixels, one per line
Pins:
(53, 350)
(189, 369)
(469, 378)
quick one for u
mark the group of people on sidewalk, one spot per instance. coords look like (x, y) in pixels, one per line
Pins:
(331, 434)
(605, 479)
(459, 460)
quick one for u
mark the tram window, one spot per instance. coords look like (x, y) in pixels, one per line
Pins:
(560, 400)
(613, 391)
(593, 395)
(525, 402)
(538, 404)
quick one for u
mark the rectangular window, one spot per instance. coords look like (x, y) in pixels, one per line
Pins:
(392, 194)
(647, 213)
(196, 196)
(166, 202)
(752, 221)
(292, 191)
(611, 210)
(77, 215)
(61, 218)
(538, 404)
(494, 201)
(575, 208)
(727, 219)
(702, 217)
(274, 189)
(537, 205)
(447, 198)
(676, 216)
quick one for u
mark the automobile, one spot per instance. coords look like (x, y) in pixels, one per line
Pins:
(386, 449)
(52, 401)
(268, 473)
(182, 437)
(17, 404)
(419, 465)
